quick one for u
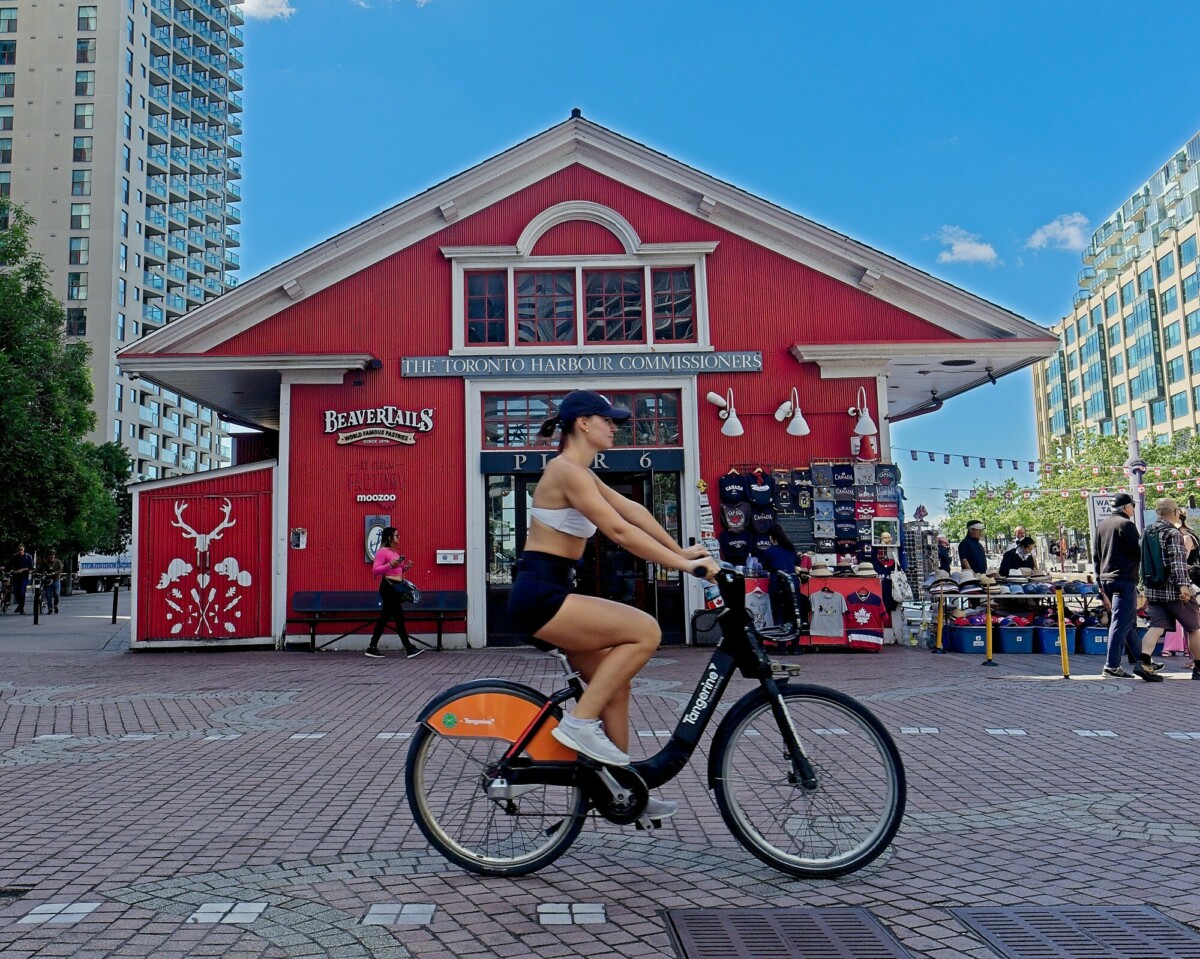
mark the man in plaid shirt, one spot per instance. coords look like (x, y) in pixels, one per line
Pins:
(1174, 602)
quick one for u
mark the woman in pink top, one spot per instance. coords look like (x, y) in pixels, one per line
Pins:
(390, 567)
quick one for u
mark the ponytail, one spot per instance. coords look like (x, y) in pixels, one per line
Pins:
(554, 422)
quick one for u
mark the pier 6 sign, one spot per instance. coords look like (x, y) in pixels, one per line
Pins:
(584, 364)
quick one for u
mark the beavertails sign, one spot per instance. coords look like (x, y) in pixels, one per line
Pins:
(378, 425)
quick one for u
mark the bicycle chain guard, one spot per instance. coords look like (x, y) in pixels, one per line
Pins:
(618, 793)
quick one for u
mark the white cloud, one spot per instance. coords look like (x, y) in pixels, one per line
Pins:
(1066, 232)
(267, 9)
(964, 247)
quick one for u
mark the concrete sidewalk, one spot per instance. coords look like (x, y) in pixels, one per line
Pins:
(83, 623)
(251, 804)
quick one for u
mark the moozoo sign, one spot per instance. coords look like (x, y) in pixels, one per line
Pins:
(378, 425)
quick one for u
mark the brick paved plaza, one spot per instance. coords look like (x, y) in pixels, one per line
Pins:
(251, 804)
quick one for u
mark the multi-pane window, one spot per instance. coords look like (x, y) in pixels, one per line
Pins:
(1118, 364)
(85, 51)
(613, 311)
(81, 150)
(122, 256)
(1072, 361)
(1169, 299)
(1158, 412)
(1194, 361)
(127, 127)
(487, 308)
(81, 183)
(76, 321)
(1140, 419)
(674, 305)
(87, 18)
(1191, 287)
(125, 190)
(79, 248)
(1172, 335)
(5, 149)
(81, 216)
(120, 334)
(85, 115)
(5, 183)
(1127, 294)
(1114, 334)
(1187, 251)
(1175, 371)
(1119, 394)
(119, 396)
(1166, 266)
(546, 307)
(122, 287)
(1069, 334)
(125, 154)
(124, 224)
(513, 419)
(8, 84)
(8, 52)
(6, 117)
(129, 94)
(77, 286)
(1110, 306)
(1145, 280)
(8, 19)
(85, 83)
(1179, 404)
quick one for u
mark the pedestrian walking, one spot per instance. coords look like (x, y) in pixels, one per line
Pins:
(1117, 554)
(20, 565)
(1170, 592)
(52, 571)
(394, 589)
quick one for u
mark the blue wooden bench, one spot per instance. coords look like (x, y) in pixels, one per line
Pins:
(359, 608)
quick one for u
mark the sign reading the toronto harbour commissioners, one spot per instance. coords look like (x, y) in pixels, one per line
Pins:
(583, 364)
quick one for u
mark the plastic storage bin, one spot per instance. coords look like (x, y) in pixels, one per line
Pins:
(966, 639)
(1093, 640)
(1012, 639)
(1045, 639)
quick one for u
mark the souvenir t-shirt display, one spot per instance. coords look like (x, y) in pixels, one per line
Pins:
(864, 474)
(843, 475)
(759, 488)
(735, 517)
(785, 496)
(865, 616)
(804, 500)
(735, 547)
(887, 474)
(762, 519)
(732, 487)
(843, 512)
(828, 610)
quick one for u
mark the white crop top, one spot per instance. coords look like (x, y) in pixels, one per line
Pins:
(567, 520)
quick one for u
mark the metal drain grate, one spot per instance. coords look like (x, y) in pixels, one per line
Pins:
(780, 934)
(1081, 932)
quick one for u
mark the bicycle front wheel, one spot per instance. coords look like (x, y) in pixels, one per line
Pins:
(853, 812)
(448, 778)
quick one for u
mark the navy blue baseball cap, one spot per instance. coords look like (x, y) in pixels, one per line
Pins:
(579, 403)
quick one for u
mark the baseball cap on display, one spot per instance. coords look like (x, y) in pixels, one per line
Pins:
(579, 403)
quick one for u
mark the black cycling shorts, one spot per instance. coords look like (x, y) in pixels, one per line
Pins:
(543, 583)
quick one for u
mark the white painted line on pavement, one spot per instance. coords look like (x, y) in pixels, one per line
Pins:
(654, 733)
(834, 731)
(48, 736)
(394, 736)
(400, 914)
(221, 737)
(307, 736)
(1002, 731)
(1094, 732)
(228, 912)
(918, 730)
(59, 912)
(1183, 735)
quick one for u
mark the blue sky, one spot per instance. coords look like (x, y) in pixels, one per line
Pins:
(981, 142)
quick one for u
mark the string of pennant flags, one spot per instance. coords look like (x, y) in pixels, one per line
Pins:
(1004, 462)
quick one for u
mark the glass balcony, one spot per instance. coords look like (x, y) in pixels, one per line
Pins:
(177, 243)
(188, 464)
(195, 238)
(232, 237)
(178, 213)
(146, 448)
(170, 424)
(195, 292)
(236, 60)
(158, 94)
(189, 435)
(213, 285)
(155, 249)
(156, 186)
(195, 265)
(212, 260)
(182, 72)
(156, 218)
(153, 281)
(170, 456)
(230, 280)
(1087, 276)
(235, 100)
(1111, 255)
(179, 157)
(148, 414)
(237, 34)
(176, 303)
(161, 65)
(234, 123)
(235, 147)
(178, 185)
(233, 189)
(1080, 298)
(163, 7)
(233, 261)
(233, 214)
(157, 156)
(234, 167)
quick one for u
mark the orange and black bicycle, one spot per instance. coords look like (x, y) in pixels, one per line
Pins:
(806, 778)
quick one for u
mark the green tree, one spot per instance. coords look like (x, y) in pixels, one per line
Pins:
(54, 493)
(113, 465)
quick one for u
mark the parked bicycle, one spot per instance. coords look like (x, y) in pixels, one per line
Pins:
(806, 778)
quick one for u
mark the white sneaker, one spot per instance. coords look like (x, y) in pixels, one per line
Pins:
(591, 740)
(659, 809)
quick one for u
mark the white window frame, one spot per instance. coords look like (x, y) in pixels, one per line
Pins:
(511, 260)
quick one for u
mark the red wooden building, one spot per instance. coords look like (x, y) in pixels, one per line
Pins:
(399, 370)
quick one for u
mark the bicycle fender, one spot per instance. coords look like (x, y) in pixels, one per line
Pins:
(495, 709)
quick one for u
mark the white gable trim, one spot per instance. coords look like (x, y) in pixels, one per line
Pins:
(551, 217)
(579, 141)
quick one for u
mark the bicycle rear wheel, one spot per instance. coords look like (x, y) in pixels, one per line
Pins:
(841, 825)
(447, 777)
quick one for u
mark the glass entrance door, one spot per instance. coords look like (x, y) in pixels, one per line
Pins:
(606, 569)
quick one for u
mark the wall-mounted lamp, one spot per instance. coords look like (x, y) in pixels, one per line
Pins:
(790, 408)
(732, 425)
(865, 425)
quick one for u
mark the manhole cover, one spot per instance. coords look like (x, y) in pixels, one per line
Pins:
(780, 934)
(1082, 932)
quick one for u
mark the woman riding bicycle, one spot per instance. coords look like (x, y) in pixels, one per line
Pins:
(606, 642)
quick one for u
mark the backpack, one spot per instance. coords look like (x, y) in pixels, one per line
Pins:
(1154, 571)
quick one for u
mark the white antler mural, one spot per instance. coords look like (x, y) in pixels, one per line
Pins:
(207, 609)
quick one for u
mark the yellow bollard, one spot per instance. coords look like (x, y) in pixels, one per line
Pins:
(940, 622)
(1062, 635)
(988, 632)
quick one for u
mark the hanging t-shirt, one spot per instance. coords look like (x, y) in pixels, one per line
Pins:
(735, 547)
(760, 487)
(732, 487)
(828, 610)
(865, 617)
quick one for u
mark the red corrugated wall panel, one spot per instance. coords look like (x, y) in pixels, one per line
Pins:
(212, 580)
(578, 237)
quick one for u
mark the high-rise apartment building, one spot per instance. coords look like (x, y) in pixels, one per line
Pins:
(1130, 350)
(118, 133)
